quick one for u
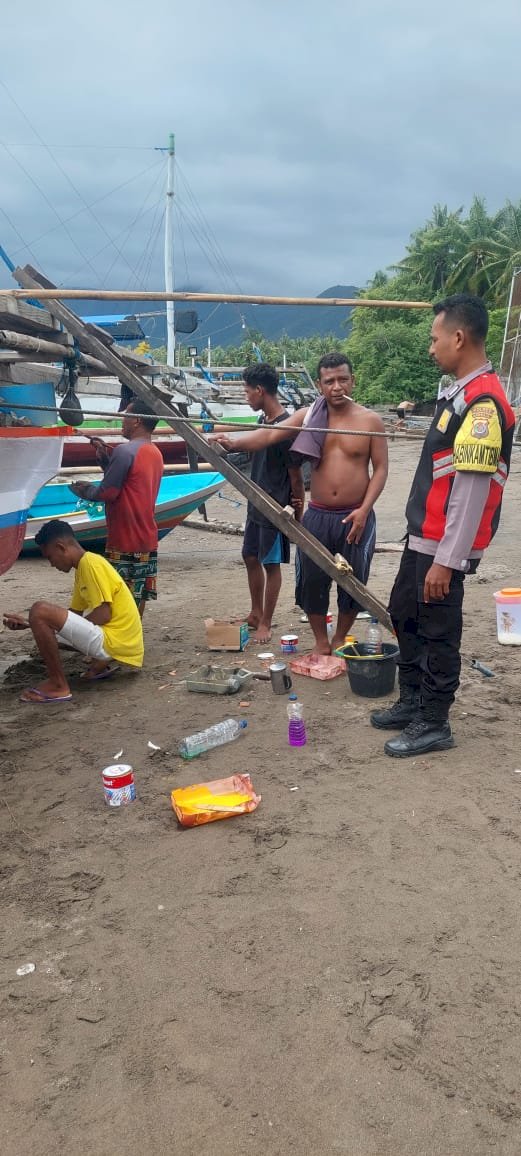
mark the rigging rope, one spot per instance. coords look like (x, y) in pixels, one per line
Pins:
(97, 201)
(211, 238)
(195, 421)
(126, 230)
(51, 206)
(61, 170)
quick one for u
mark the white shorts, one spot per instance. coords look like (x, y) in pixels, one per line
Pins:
(83, 635)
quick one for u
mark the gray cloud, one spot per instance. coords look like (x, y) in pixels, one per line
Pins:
(315, 137)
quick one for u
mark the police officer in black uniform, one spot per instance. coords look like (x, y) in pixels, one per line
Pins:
(452, 515)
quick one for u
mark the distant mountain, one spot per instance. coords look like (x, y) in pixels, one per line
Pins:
(229, 324)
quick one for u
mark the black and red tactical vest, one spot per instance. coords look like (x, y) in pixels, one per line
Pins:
(426, 510)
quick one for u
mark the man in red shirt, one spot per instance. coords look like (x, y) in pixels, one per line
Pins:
(131, 478)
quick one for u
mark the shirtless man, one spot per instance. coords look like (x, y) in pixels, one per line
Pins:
(343, 491)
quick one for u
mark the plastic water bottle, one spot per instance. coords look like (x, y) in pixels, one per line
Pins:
(215, 736)
(329, 626)
(373, 638)
(208, 423)
(297, 726)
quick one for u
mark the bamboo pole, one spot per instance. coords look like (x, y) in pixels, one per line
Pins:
(229, 298)
(113, 432)
(23, 346)
(26, 343)
(173, 468)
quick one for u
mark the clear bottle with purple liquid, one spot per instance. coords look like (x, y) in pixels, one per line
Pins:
(296, 727)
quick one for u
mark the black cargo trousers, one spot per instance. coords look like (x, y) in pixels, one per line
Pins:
(428, 633)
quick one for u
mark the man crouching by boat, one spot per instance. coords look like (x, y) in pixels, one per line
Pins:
(343, 491)
(102, 622)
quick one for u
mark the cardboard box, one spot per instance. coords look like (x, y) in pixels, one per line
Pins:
(225, 634)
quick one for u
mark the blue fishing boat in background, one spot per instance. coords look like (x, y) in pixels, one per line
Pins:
(178, 497)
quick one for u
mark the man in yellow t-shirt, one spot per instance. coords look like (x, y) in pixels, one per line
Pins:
(103, 620)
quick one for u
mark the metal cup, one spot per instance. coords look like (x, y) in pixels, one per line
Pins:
(280, 678)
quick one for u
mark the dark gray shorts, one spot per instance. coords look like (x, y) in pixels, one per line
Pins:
(265, 543)
(312, 584)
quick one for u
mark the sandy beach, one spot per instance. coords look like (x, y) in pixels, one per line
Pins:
(336, 973)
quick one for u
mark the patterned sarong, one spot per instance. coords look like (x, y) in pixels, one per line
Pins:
(138, 571)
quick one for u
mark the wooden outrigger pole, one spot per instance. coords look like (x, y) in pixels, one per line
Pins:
(159, 399)
(55, 294)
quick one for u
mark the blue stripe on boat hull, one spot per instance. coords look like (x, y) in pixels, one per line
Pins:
(13, 519)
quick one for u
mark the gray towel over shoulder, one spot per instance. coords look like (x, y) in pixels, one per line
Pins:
(310, 441)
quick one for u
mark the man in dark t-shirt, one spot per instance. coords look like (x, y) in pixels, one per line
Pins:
(276, 469)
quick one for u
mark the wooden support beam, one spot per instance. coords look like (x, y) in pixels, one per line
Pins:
(29, 373)
(27, 318)
(14, 357)
(50, 293)
(158, 399)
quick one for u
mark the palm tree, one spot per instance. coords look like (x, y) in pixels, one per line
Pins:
(505, 255)
(434, 250)
(479, 235)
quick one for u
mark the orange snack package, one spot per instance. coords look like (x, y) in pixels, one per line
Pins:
(220, 799)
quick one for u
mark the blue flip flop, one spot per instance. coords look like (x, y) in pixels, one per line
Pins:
(107, 673)
(42, 699)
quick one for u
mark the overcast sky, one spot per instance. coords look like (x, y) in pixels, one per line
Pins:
(313, 137)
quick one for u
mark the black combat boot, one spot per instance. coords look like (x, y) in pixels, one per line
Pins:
(402, 712)
(428, 731)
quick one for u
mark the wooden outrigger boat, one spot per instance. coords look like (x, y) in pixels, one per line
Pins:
(178, 497)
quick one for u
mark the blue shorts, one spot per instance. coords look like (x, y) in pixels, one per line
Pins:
(265, 543)
(312, 584)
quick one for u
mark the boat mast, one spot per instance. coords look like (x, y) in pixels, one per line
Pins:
(169, 252)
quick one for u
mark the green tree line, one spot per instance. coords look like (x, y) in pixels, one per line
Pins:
(451, 253)
(298, 350)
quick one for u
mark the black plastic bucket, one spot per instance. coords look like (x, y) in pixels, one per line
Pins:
(370, 675)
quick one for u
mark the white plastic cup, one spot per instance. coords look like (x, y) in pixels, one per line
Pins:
(266, 659)
(508, 611)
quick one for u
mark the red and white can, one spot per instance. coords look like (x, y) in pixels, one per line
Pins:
(118, 785)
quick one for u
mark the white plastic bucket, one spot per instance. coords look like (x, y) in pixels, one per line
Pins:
(508, 610)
